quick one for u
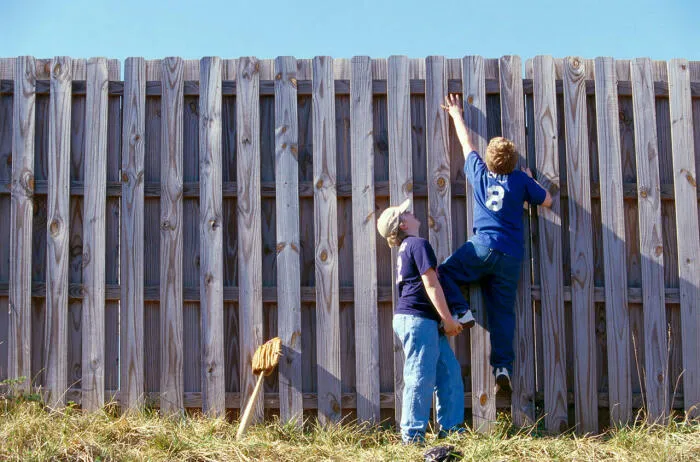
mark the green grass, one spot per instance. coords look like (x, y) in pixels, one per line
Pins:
(28, 431)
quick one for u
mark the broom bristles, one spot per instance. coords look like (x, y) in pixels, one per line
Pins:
(267, 356)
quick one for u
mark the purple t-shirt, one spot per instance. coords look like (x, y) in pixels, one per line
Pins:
(498, 205)
(415, 257)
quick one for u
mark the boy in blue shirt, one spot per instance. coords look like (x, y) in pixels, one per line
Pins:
(430, 363)
(492, 256)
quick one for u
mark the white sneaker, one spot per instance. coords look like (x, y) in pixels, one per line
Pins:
(503, 380)
(466, 320)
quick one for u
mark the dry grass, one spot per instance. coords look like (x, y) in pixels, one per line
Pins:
(30, 432)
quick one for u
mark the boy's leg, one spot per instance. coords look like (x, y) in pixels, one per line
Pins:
(419, 338)
(499, 290)
(449, 402)
(464, 266)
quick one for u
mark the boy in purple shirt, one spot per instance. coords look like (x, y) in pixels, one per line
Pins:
(430, 363)
(492, 256)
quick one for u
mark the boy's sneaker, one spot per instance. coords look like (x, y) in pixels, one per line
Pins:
(466, 319)
(503, 381)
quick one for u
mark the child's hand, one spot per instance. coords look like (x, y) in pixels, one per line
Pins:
(452, 105)
(452, 327)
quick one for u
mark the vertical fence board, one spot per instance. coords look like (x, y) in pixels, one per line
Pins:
(7, 71)
(75, 240)
(439, 191)
(513, 128)
(400, 181)
(288, 262)
(94, 232)
(132, 243)
(547, 160)
(21, 216)
(249, 248)
(483, 380)
(650, 238)
(171, 218)
(685, 189)
(114, 133)
(211, 238)
(326, 247)
(612, 212)
(581, 245)
(56, 332)
(364, 244)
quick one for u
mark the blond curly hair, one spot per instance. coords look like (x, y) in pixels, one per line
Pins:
(501, 156)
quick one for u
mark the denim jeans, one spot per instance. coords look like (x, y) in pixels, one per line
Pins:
(430, 365)
(498, 274)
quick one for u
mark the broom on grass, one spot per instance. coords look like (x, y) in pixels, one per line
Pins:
(265, 359)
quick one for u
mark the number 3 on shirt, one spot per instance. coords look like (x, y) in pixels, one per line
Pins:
(494, 197)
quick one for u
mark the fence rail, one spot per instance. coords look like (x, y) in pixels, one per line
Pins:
(156, 229)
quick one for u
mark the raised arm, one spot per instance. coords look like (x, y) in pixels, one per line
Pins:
(453, 106)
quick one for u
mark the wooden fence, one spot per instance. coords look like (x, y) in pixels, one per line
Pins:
(156, 229)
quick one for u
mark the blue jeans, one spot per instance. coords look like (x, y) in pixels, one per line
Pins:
(430, 365)
(498, 274)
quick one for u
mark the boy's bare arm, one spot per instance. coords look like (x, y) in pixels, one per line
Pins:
(548, 198)
(437, 296)
(453, 106)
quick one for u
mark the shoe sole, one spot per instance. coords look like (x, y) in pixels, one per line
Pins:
(503, 384)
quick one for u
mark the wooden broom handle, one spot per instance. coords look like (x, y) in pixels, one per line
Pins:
(245, 421)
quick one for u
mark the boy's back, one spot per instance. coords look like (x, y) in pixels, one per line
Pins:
(498, 205)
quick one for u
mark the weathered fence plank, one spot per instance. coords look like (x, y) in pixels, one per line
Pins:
(56, 332)
(513, 128)
(21, 219)
(685, 188)
(483, 381)
(94, 236)
(547, 161)
(581, 244)
(613, 222)
(211, 238)
(171, 222)
(326, 242)
(650, 240)
(364, 244)
(132, 235)
(400, 180)
(250, 314)
(288, 262)
(439, 209)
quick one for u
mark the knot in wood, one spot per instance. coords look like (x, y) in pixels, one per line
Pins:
(323, 256)
(125, 177)
(660, 378)
(441, 183)
(470, 99)
(278, 76)
(483, 399)
(280, 247)
(209, 279)
(408, 186)
(683, 67)
(86, 258)
(47, 67)
(55, 227)
(293, 81)
(166, 225)
(336, 406)
(9, 160)
(575, 63)
(57, 69)
(431, 222)
(319, 183)
(213, 224)
(659, 250)
(643, 192)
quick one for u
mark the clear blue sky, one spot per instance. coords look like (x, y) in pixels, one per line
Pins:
(232, 28)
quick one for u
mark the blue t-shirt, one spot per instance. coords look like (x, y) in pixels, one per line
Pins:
(498, 205)
(414, 258)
